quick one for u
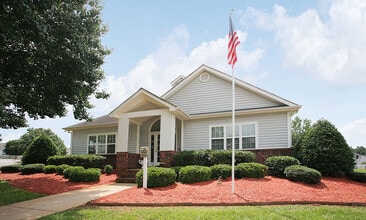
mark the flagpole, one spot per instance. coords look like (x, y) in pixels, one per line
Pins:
(233, 135)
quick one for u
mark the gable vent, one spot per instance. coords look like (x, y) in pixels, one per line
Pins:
(177, 80)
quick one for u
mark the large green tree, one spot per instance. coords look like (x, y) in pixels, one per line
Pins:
(299, 128)
(33, 133)
(325, 149)
(14, 147)
(50, 57)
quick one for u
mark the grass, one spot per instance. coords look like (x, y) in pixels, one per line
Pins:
(231, 212)
(11, 194)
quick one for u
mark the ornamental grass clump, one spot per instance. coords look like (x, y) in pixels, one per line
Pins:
(156, 177)
(194, 174)
(303, 174)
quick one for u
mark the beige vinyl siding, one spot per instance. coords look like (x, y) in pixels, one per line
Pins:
(215, 95)
(132, 141)
(272, 130)
(80, 138)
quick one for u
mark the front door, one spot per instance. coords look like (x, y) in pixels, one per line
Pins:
(154, 148)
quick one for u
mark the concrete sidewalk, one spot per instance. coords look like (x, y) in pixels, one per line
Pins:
(36, 208)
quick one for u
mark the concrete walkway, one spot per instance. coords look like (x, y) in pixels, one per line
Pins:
(36, 208)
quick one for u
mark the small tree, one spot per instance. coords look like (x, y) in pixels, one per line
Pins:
(325, 149)
(14, 147)
(299, 128)
(40, 149)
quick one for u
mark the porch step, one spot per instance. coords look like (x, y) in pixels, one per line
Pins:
(126, 180)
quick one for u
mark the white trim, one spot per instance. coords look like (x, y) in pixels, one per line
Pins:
(289, 133)
(106, 143)
(182, 135)
(239, 125)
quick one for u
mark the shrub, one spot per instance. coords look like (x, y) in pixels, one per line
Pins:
(222, 171)
(303, 174)
(193, 174)
(49, 169)
(69, 169)
(39, 150)
(277, 164)
(156, 177)
(358, 176)
(86, 161)
(60, 169)
(84, 175)
(325, 149)
(244, 156)
(15, 168)
(176, 170)
(32, 168)
(220, 157)
(108, 169)
(211, 157)
(250, 170)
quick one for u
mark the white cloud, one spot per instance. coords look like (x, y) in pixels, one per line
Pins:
(171, 59)
(356, 132)
(332, 48)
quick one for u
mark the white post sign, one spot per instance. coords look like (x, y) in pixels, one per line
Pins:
(144, 152)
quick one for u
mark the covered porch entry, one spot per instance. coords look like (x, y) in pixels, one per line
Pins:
(145, 120)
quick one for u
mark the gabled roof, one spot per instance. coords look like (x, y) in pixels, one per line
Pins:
(226, 77)
(143, 100)
(103, 121)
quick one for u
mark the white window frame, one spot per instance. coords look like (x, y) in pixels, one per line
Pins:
(237, 125)
(105, 143)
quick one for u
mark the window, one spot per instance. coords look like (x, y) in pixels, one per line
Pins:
(102, 144)
(245, 136)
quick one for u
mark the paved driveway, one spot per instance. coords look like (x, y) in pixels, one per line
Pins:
(5, 162)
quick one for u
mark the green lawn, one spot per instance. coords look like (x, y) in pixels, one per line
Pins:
(360, 170)
(10, 194)
(232, 212)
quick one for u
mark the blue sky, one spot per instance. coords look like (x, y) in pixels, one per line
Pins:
(309, 52)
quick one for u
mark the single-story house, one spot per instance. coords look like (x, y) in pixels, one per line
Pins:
(194, 114)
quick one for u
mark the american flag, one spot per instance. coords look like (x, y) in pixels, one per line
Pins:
(233, 42)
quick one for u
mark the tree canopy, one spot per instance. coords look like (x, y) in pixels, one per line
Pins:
(51, 57)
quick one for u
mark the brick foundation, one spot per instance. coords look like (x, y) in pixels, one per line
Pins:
(263, 154)
(167, 158)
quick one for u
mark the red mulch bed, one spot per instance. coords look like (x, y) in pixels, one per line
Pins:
(269, 190)
(51, 184)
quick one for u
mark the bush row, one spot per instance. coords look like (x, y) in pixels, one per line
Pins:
(358, 176)
(211, 157)
(277, 164)
(87, 161)
(159, 176)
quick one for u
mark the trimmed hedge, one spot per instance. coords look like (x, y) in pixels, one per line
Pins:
(60, 169)
(303, 174)
(156, 177)
(357, 176)
(194, 174)
(86, 161)
(49, 169)
(15, 168)
(277, 164)
(32, 168)
(250, 170)
(211, 157)
(70, 169)
(84, 175)
(222, 171)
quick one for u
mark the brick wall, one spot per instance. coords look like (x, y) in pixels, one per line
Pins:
(263, 154)
(166, 158)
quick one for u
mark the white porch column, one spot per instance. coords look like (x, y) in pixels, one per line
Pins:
(122, 137)
(167, 131)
